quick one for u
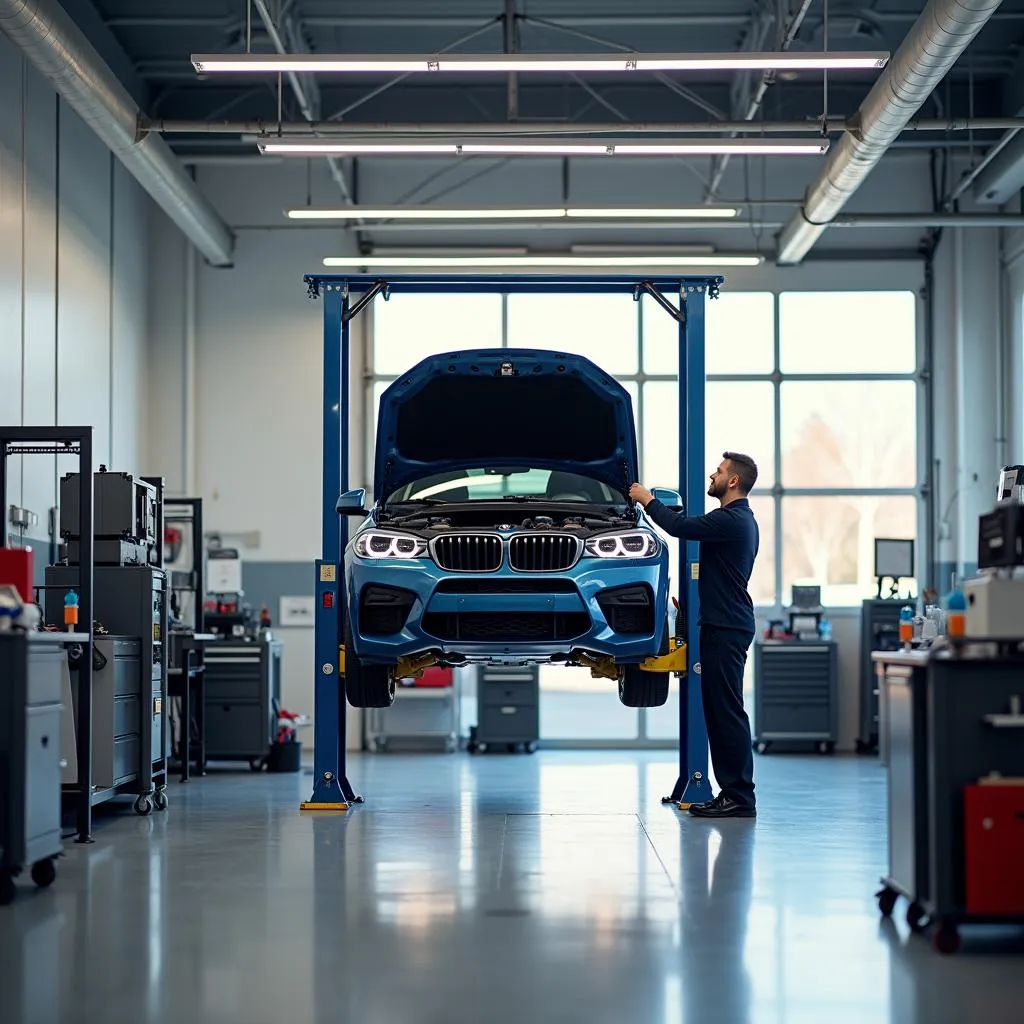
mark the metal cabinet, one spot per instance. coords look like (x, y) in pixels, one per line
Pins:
(953, 723)
(241, 699)
(796, 694)
(129, 735)
(508, 708)
(31, 667)
(879, 631)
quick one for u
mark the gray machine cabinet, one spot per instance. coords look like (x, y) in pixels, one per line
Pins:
(30, 709)
(879, 631)
(508, 707)
(131, 604)
(796, 694)
(243, 683)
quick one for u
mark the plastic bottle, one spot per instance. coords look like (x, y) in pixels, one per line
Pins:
(956, 613)
(71, 610)
(906, 624)
(825, 629)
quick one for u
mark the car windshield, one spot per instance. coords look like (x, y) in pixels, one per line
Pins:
(508, 482)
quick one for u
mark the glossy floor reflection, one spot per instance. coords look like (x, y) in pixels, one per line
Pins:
(553, 888)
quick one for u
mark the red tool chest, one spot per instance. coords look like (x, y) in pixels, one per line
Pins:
(994, 848)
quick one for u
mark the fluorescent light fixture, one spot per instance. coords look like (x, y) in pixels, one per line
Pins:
(538, 261)
(809, 146)
(510, 213)
(656, 213)
(270, 63)
(419, 213)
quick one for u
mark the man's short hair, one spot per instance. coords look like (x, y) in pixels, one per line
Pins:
(744, 467)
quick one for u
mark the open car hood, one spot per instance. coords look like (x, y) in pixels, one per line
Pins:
(491, 407)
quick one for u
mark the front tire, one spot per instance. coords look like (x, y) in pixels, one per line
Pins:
(639, 689)
(366, 686)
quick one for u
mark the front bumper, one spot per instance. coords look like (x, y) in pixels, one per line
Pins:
(589, 578)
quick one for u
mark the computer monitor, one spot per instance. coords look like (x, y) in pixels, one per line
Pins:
(894, 559)
(806, 597)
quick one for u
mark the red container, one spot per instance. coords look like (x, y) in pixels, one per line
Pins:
(994, 849)
(16, 569)
(436, 678)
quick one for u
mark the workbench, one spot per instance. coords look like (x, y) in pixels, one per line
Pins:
(953, 721)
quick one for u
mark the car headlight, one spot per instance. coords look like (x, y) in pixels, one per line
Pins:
(635, 544)
(389, 545)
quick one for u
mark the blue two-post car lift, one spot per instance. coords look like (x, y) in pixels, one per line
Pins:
(344, 298)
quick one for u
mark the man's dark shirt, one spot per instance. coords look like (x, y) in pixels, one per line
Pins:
(729, 540)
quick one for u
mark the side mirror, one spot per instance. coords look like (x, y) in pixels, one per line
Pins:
(351, 503)
(670, 499)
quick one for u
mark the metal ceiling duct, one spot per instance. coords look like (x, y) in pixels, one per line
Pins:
(943, 31)
(48, 37)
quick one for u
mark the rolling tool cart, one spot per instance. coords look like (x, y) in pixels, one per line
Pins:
(955, 789)
(31, 666)
(129, 688)
(796, 693)
(242, 695)
(425, 710)
(508, 709)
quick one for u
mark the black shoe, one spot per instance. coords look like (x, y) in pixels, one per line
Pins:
(723, 807)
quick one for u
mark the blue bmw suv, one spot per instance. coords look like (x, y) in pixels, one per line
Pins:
(502, 531)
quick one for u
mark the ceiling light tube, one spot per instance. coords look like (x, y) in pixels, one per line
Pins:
(348, 213)
(656, 213)
(420, 213)
(269, 63)
(809, 146)
(326, 147)
(539, 262)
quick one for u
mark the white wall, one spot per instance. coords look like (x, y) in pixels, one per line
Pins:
(73, 250)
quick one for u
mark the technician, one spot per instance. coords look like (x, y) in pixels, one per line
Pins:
(729, 540)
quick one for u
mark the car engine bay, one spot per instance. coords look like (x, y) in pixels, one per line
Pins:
(507, 516)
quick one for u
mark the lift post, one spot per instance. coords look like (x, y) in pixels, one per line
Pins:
(331, 787)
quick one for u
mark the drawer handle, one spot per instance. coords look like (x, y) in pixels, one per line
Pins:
(508, 710)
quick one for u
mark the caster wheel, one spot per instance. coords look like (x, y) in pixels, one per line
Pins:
(44, 873)
(946, 938)
(826, 748)
(472, 747)
(6, 889)
(531, 748)
(256, 764)
(762, 747)
(511, 748)
(143, 806)
(886, 902)
(915, 917)
(160, 800)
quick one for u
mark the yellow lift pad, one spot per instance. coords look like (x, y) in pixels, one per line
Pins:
(601, 666)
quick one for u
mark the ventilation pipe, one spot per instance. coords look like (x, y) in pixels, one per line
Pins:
(943, 31)
(48, 37)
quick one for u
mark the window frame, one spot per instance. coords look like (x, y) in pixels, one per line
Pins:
(776, 378)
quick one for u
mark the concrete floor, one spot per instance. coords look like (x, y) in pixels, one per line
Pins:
(552, 888)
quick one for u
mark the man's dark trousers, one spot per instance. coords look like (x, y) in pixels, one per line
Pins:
(723, 654)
